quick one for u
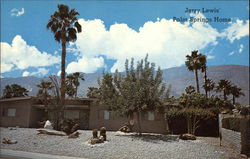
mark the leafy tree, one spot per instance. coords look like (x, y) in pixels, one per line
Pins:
(194, 64)
(93, 92)
(208, 86)
(224, 86)
(236, 92)
(14, 90)
(64, 25)
(43, 92)
(190, 90)
(195, 107)
(140, 89)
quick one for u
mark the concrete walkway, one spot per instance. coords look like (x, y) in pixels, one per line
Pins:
(12, 154)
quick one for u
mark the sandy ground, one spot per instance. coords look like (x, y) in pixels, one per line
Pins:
(118, 146)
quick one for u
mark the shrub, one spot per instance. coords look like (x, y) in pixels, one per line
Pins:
(245, 110)
(231, 124)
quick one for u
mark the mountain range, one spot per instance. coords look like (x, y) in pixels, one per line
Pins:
(177, 77)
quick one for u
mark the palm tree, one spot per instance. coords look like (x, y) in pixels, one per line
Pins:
(44, 88)
(77, 76)
(224, 86)
(193, 63)
(63, 23)
(203, 61)
(236, 92)
(189, 89)
(208, 86)
(70, 90)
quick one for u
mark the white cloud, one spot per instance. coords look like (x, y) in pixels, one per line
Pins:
(86, 65)
(39, 72)
(241, 48)
(210, 57)
(231, 53)
(20, 55)
(16, 12)
(25, 73)
(166, 42)
(236, 30)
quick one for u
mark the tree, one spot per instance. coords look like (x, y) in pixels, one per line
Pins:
(224, 87)
(93, 92)
(208, 86)
(194, 64)
(14, 90)
(139, 90)
(190, 90)
(70, 89)
(203, 61)
(195, 107)
(236, 92)
(64, 25)
(43, 92)
(77, 76)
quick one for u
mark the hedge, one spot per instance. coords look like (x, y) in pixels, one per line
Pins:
(231, 124)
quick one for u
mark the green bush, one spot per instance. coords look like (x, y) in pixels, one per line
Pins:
(231, 124)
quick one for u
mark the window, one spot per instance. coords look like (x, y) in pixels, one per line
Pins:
(9, 112)
(151, 116)
(148, 116)
(71, 114)
(106, 115)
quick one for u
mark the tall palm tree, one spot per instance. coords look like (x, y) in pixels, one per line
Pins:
(77, 76)
(43, 92)
(63, 23)
(203, 60)
(193, 63)
(224, 86)
(208, 86)
(236, 92)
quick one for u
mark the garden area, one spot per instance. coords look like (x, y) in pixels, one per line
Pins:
(118, 145)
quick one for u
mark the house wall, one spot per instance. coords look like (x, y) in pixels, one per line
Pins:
(22, 116)
(96, 121)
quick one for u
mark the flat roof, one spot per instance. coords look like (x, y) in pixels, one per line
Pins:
(15, 99)
(30, 97)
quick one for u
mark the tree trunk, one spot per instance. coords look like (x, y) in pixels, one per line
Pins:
(189, 125)
(225, 96)
(63, 84)
(197, 80)
(76, 92)
(233, 100)
(138, 114)
(205, 80)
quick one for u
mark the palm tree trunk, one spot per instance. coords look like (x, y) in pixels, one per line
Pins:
(76, 92)
(63, 84)
(233, 100)
(205, 80)
(225, 96)
(139, 122)
(196, 80)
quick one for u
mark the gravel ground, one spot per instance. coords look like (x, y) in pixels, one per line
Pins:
(117, 146)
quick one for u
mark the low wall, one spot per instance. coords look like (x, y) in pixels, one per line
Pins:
(239, 141)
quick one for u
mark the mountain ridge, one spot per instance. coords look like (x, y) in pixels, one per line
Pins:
(177, 77)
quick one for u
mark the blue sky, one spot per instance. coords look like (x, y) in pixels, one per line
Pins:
(114, 31)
